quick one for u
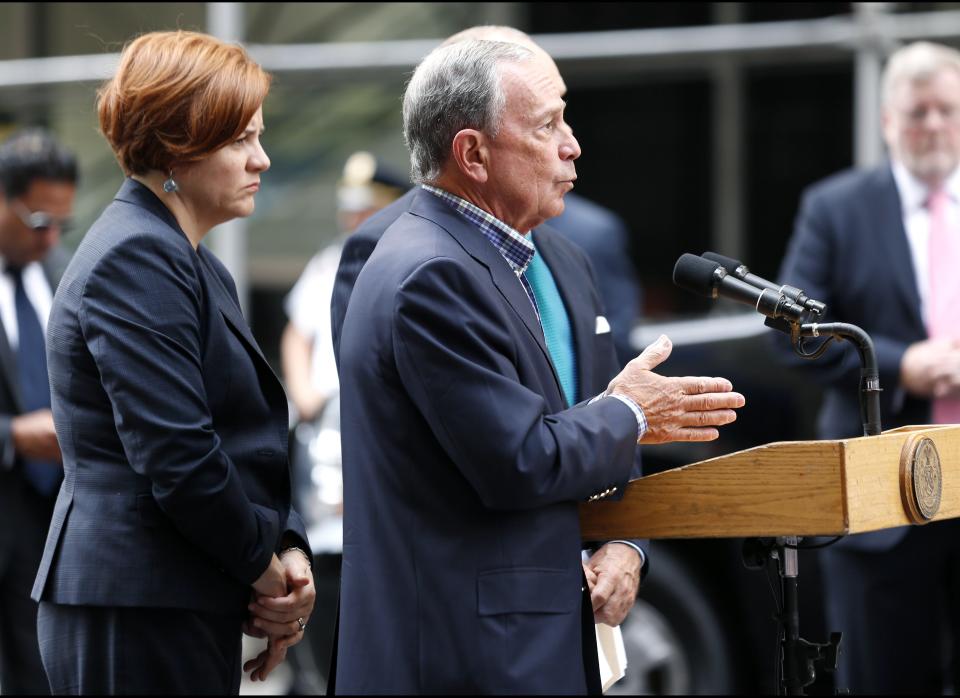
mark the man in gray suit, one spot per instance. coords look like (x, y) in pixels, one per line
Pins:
(38, 181)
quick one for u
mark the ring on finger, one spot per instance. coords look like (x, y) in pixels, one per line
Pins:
(302, 624)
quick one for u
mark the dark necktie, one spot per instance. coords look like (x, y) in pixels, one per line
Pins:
(34, 385)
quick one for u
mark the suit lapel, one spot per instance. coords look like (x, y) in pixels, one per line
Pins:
(8, 362)
(228, 308)
(570, 281)
(53, 266)
(427, 205)
(887, 213)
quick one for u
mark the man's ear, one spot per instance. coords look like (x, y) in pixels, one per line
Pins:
(471, 154)
(888, 128)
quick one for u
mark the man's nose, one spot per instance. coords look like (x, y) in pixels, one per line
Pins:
(570, 147)
(934, 118)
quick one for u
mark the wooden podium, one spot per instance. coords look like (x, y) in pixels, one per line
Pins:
(788, 490)
(793, 488)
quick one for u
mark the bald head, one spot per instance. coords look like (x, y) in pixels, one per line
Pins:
(492, 32)
(499, 32)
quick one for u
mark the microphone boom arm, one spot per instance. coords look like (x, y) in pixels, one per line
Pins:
(869, 368)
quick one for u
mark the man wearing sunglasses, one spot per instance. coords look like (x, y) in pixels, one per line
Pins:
(38, 180)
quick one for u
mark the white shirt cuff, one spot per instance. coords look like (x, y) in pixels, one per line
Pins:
(634, 407)
(643, 557)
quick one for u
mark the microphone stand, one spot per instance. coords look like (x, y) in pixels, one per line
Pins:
(869, 370)
(787, 308)
(797, 656)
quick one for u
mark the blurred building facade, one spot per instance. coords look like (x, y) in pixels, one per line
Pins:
(700, 122)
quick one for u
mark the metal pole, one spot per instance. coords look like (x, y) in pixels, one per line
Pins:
(727, 124)
(229, 240)
(868, 64)
(794, 678)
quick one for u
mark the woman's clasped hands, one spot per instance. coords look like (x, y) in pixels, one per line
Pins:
(280, 607)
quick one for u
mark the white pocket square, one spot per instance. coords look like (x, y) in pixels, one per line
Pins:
(602, 324)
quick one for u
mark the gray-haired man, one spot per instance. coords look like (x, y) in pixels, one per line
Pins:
(467, 441)
(882, 248)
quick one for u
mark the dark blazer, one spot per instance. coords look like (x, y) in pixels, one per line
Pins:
(568, 263)
(596, 354)
(357, 249)
(24, 520)
(462, 473)
(11, 402)
(850, 250)
(173, 427)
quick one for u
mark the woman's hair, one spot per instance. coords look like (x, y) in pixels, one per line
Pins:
(177, 97)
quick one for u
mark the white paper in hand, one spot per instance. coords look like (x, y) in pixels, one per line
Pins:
(612, 655)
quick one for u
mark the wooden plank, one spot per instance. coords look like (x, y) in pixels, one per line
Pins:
(791, 488)
(798, 488)
(873, 474)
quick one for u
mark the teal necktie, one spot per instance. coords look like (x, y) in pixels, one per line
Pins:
(555, 323)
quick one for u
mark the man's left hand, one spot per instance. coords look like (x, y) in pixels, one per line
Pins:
(613, 575)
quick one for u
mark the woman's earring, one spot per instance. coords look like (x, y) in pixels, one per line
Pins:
(169, 185)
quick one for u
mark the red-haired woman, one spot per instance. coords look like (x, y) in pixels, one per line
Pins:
(173, 530)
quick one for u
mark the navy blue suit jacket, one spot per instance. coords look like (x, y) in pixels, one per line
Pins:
(596, 354)
(172, 425)
(462, 473)
(850, 250)
(357, 249)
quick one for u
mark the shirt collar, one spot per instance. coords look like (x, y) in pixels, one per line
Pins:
(4, 266)
(914, 193)
(513, 246)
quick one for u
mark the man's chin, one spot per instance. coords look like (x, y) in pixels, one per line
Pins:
(558, 207)
(934, 168)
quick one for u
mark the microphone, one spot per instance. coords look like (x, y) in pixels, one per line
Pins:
(740, 270)
(707, 278)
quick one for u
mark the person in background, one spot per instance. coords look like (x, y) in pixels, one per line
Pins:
(306, 347)
(881, 247)
(38, 183)
(310, 376)
(173, 530)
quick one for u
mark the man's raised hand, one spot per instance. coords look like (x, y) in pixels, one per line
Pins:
(677, 409)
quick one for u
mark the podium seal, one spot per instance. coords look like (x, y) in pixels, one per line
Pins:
(921, 481)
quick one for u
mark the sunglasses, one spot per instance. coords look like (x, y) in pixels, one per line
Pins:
(41, 221)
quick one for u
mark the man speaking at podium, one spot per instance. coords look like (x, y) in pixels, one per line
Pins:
(464, 461)
(881, 248)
